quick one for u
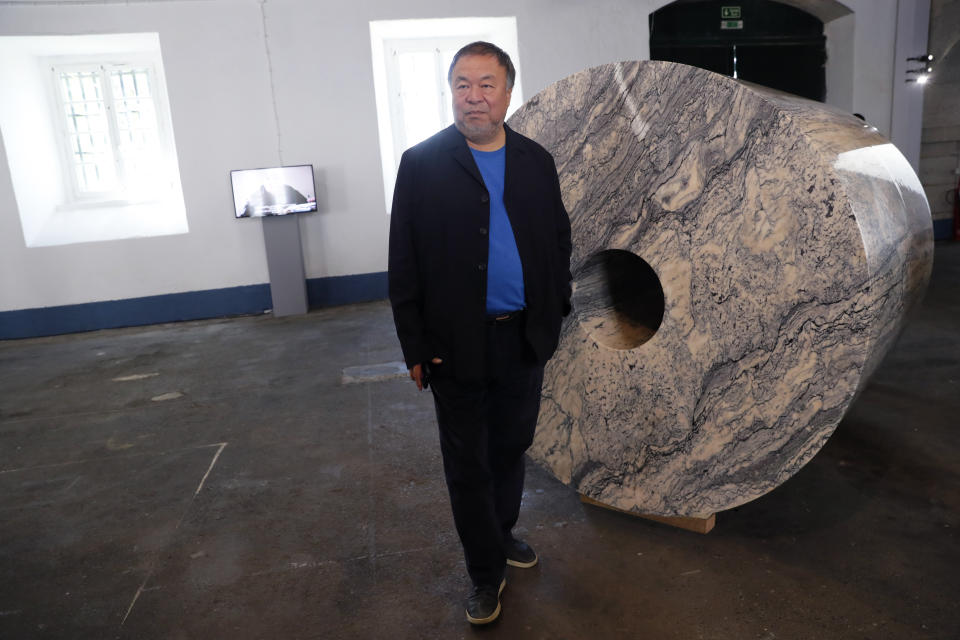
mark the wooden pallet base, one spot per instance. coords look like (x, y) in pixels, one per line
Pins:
(697, 525)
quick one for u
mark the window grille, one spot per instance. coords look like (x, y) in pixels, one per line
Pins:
(111, 131)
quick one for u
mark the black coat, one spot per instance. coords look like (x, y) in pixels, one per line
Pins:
(439, 247)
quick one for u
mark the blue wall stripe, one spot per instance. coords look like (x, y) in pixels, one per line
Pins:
(943, 229)
(175, 307)
(327, 292)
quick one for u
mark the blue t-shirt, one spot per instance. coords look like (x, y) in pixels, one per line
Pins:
(504, 271)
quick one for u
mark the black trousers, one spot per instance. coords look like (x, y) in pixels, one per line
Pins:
(485, 428)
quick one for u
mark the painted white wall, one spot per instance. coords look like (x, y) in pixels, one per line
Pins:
(906, 119)
(874, 43)
(330, 119)
(839, 68)
(30, 137)
(866, 69)
(209, 49)
(304, 94)
(48, 215)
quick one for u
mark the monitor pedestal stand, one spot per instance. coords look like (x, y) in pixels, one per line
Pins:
(288, 282)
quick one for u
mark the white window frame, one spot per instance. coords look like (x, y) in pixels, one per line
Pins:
(426, 35)
(76, 198)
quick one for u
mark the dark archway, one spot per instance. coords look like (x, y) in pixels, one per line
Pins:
(761, 41)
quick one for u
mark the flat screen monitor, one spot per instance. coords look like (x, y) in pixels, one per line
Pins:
(275, 191)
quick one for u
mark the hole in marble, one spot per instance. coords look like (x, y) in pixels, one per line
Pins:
(618, 299)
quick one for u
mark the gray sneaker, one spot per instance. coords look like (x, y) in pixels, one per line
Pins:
(483, 603)
(520, 554)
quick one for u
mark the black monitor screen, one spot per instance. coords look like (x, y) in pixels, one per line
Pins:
(273, 192)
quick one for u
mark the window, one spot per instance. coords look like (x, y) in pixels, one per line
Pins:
(410, 63)
(417, 76)
(109, 133)
(89, 138)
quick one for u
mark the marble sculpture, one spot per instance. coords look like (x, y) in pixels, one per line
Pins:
(743, 259)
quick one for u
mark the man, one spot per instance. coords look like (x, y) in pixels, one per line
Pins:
(479, 282)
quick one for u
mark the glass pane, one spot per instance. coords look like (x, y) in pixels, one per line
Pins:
(90, 86)
(138, 142)
(91, 109)
(419, 95)
(90, 176)
(130, 83)
(65, 86)
(85, 145)
(131, 111)
(95, 177)
(116, 85)
(446, 57)
(88, 131)
(142, 84)
(91, 153)
(89, 146)
(73, 87)
(84, 117)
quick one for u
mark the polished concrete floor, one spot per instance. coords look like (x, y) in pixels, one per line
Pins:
(217, 479)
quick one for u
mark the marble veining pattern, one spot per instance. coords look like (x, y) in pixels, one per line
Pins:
(789, 240)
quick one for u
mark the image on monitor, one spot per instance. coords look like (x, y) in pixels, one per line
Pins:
(275, 191)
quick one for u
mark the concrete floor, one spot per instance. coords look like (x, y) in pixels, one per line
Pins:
(239, 490)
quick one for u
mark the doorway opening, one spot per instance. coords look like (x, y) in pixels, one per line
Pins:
(761, 41)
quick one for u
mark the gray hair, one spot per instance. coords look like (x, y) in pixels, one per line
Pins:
(481, 48)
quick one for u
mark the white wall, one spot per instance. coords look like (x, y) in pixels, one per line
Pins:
(940, 152)
(874, 44)
(209, 49)
(866, 64)
(304, 94)
(913, 23)
(839, 69)
(32, 138)
(48, 213)
(330, 120)
(324, 114)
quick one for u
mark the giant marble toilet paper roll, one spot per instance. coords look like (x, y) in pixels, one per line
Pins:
(743, 259)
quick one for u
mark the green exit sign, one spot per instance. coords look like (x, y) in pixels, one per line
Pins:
(730, 13)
